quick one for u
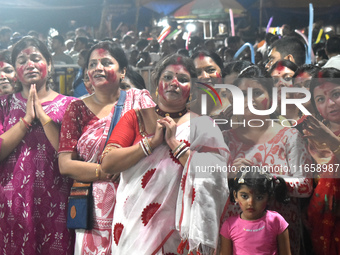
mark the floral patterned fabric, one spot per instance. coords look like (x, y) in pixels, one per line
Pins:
(163, 207)
(287, 149)
(84, 133)
(33, 194)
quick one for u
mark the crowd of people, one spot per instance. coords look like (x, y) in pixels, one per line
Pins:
(149, 193)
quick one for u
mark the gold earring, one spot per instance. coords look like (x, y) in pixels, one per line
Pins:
(156, 93)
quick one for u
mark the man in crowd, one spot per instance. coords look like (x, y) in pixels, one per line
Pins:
(289, 47)
(58, 47)
(333, 52)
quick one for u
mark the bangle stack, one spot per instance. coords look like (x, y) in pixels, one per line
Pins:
(180, 150)
(145, 145)
(98, 168)
(27, 125)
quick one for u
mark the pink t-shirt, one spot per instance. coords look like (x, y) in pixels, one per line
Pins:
(254, 237)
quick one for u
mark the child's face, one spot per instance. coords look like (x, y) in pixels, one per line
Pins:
(252, 203)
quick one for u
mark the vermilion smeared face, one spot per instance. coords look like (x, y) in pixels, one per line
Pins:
(174, 84)
(7, 78)
(31, 66)
(327, 101)
(103, 69)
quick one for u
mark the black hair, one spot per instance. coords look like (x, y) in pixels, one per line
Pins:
(214, 56)
(5, 56)
(173, 59)
(26, 42)
(59, 38)
(286, 63)
(233, 40)
(258, 74)
(325, 75)
(84, 40)
(291, 45)
(260, 181)
(236, 66)
(322, 53)
(333, 45)
(312, 70)
(183, 52)
(114, 50)
(142, 43)
(135, 78)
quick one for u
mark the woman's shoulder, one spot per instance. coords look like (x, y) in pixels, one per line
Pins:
(137, 96)
(137, 92)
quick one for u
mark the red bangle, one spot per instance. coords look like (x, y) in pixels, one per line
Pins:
(27, 125)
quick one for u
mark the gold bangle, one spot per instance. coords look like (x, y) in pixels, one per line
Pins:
(98, 172)
(47, 122)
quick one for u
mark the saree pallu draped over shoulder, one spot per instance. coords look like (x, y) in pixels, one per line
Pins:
(84, 133)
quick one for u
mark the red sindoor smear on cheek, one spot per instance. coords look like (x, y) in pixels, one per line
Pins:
(161, 89)
(43, 69)
(185, 91)
(264, 103)
(2, 64)
(218, 75)
(111, 76)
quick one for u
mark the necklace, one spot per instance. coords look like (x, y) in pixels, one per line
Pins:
(173, 115)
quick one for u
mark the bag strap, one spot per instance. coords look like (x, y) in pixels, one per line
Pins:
(117, 113)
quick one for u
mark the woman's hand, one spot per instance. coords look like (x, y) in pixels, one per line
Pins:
(238, 163)
(30, 112)
(318, 133)
(158, 138)
(39, 111)
(170, 130)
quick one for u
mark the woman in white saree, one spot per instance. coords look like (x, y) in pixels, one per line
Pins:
(170, 199)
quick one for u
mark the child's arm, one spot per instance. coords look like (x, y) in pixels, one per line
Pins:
(227, 246)
(283, 243)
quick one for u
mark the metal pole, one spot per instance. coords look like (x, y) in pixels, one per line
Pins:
(260, 20)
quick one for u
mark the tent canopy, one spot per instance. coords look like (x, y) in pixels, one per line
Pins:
(164, 7)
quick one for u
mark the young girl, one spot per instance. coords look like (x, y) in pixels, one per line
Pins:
(256, 230)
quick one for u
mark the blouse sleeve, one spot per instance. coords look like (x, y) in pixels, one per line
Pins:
(71, 129)
(299, 182)
(124, 134)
